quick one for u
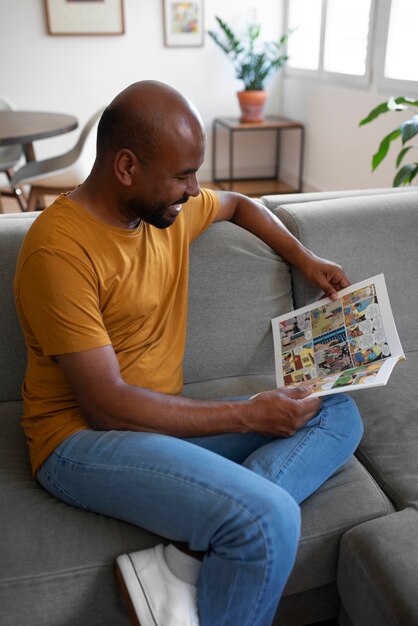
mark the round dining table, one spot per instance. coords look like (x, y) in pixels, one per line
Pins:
(25, 127)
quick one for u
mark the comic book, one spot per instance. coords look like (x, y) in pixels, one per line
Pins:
(341, 345)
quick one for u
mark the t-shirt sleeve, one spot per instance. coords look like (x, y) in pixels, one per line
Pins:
(58, 299)
(200, 212)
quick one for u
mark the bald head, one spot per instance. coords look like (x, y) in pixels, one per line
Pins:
(143, 117)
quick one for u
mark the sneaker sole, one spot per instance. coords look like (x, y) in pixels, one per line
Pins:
(133, 593)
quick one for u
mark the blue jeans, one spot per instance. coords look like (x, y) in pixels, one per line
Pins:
(234, 497)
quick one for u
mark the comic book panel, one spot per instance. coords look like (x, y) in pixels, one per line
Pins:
(370, 371)
(363, 310)
(291, 362)
(293, 342)
(345, 379)
(326, 318)
(359, 294)
(319, 383)
(334, 359)
(332, 338)
(366, 335)
(291, 380)
(307, 355)
(371, 354)
(294, 325)
(358, 376)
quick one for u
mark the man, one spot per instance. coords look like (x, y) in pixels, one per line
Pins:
(101, 290)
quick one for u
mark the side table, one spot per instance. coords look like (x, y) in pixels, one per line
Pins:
(256, 185)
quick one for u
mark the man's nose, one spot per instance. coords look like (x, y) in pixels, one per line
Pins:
(193, 187)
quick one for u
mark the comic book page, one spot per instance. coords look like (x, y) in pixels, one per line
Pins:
(340, 345)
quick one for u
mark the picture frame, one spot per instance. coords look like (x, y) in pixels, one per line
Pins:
(183, 23)
(85, 17)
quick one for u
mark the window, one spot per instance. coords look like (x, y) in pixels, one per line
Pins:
(339, 40)
(401, 61)
(329, 36)
(304, 19)
(346, 36)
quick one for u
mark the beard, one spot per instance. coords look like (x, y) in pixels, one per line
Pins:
(154, 214)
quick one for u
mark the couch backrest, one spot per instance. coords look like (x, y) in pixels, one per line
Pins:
(13, 228)
(237, 284)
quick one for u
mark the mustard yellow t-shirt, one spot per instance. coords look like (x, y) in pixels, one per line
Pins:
(81, 284)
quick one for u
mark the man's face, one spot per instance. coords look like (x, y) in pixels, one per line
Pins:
(167, 182)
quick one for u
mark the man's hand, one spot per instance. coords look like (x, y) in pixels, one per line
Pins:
(329, 276)
(284, 411)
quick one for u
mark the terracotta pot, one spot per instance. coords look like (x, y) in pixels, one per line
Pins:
(252, 105)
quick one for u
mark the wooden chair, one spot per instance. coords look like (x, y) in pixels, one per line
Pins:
(57, 174)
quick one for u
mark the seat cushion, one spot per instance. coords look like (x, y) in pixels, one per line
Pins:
(56, 561)
(348, 498)
(377, 572)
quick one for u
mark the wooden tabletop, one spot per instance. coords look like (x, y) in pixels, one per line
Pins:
(27, 126)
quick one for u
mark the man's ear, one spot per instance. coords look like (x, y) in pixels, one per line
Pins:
(126, 165)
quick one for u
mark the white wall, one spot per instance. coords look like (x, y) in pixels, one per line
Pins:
(78, 74)
(338, 152)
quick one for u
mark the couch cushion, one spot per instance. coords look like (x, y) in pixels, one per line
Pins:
(389, 448)
(377, 571)
(237, 284)
(348, 498)
(13, 352)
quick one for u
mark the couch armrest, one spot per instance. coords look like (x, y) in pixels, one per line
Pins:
(367, 235)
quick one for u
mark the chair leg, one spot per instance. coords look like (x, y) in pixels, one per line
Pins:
(33, 199)
(17, 193)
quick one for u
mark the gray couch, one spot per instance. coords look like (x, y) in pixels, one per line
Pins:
(358, 555)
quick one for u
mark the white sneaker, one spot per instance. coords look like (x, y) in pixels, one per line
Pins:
(155, 597)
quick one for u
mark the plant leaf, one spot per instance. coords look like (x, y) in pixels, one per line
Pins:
(391, 105)
(409, 129)
(401, 155)
(406, 174)
(394, 106)
(384, 148)
(403, 152)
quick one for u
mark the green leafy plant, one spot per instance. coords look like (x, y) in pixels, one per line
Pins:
(407, 130)
(254, 63)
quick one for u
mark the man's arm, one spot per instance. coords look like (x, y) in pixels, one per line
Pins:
(107, 402)
(257, 219)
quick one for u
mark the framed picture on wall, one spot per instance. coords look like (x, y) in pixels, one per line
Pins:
(85, 17)
(183, 23)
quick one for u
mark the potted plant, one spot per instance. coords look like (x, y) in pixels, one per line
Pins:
(254, 64)
(407, 130)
